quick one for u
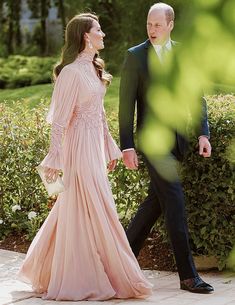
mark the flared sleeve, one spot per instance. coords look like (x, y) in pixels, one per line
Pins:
(112, 151)
(64, 98)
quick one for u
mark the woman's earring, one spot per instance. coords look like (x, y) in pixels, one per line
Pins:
(90, 44)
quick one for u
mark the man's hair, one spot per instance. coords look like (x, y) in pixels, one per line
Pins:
(169, 11)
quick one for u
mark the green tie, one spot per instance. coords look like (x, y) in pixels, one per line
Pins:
(164, 51)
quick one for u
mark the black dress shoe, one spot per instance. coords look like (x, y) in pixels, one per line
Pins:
(196, 285)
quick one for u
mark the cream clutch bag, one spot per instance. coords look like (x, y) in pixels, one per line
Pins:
(52, 188)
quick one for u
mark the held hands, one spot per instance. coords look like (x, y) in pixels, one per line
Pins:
(204, 147)
(51, 174)
(130, 159)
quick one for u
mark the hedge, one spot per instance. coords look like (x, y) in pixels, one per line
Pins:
(208, 183)
(20, 71)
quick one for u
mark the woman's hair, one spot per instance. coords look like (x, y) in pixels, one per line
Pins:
(75, 44)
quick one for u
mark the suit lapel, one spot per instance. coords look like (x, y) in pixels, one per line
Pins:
(147, 48)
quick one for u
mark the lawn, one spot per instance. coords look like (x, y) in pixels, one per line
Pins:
(32, 95)
(29, 95)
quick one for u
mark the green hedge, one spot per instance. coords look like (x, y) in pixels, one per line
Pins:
(208, 183)
(20, 71)
(23, 141)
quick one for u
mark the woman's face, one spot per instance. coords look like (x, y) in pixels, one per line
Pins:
(95, 36)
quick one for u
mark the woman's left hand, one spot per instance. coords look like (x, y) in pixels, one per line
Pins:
(51, 174)
(112, 164)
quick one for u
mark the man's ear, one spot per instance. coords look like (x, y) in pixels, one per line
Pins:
(171, 25)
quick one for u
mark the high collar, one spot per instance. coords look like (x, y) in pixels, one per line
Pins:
(86, 56)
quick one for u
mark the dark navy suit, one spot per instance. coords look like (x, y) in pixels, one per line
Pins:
(163, 196)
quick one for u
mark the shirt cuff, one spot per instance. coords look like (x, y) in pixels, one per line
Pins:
(128, 149)
(203, 136)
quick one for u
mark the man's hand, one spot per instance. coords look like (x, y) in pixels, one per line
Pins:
(112, 164)
(130, 159)
(204, 147)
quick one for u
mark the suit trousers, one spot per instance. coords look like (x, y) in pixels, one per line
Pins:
(165, 195)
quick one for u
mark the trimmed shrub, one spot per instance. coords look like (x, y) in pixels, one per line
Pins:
(208, 183)
(24, 138)
(20, 71)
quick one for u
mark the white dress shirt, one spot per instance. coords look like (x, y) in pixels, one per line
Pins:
(160, 49)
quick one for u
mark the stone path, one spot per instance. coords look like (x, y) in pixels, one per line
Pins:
(166, 288)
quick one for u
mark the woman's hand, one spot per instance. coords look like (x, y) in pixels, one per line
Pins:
(51, 174)
(112, 164)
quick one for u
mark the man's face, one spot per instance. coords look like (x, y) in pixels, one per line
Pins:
(157, 27)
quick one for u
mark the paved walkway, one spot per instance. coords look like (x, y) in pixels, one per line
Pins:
(166, 290)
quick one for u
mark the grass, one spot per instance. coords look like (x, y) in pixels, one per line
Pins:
(223, 89)
(111, 97)
(32, 95)
(29, 95)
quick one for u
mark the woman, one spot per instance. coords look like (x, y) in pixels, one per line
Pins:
(81, 252)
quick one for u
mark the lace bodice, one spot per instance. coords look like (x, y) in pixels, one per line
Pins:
(77, 101)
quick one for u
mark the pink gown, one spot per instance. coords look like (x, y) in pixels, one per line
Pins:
(81, 251)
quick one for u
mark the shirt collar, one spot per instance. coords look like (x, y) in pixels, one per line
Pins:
(168, 46)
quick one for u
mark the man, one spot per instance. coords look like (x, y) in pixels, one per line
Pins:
(163, 196)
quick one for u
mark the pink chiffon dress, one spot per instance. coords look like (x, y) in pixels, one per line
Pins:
(81, 251)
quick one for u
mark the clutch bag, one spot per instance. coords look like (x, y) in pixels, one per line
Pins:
(53, 188)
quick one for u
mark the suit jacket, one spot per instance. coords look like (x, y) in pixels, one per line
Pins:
(133, 88)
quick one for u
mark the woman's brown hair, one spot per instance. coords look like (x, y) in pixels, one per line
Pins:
(75, 44)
